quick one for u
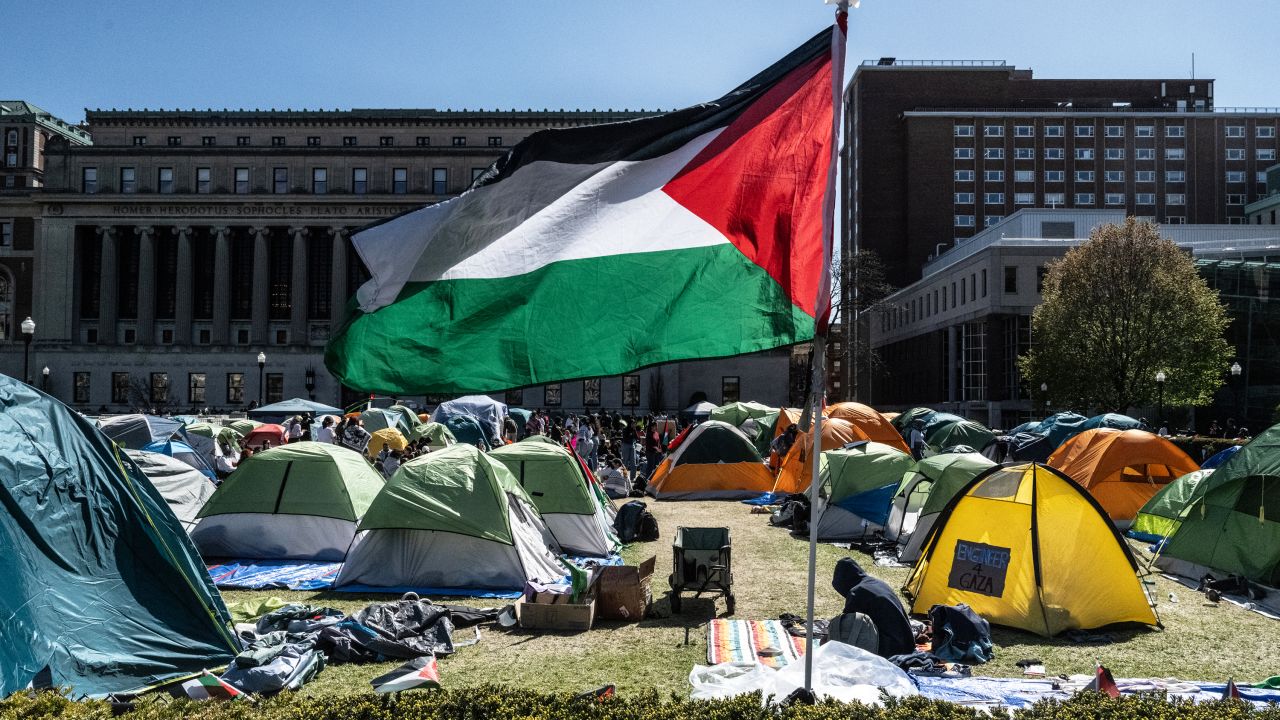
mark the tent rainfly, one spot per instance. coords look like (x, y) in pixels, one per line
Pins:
(869, 423)
(859, 481)
(1162, 514)
(714, 462)
(1122, 469)
(925, 490)
(184, 488)
(573, 511)
(797, 467)
(487, 412)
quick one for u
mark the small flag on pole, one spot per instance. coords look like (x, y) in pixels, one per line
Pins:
(418, 672)
(211, 687)
(1231, 692)
(1103, 682)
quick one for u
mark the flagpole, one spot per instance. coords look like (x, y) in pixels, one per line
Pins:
(821, 319)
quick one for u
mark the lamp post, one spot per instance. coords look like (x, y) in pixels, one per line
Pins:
(28, 332)
(1235, 385)
(262, 365)
(310, 382)
(45, 384)
(1044, 391)
(1160, 378)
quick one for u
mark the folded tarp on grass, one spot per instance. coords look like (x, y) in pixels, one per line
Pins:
(1016, 693)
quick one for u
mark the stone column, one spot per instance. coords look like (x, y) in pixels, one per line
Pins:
(298, 288)
(146, 284)
(261, 310)
(108, 287)
(221, 286)
(338, 286)
(182, 307)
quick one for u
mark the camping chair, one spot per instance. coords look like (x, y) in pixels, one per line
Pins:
(701, 563)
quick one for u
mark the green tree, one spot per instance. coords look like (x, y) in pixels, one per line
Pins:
(1118, 309)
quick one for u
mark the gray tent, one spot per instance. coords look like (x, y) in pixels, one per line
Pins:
(183, 487)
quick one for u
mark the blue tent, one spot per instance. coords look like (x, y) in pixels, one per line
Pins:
(1220, 457)
(276, 412)
(137, 431)
(103, 591)
(182, 451)
(467, 430)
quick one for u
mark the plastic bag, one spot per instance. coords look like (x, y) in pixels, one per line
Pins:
(841, 672)
(728, 679)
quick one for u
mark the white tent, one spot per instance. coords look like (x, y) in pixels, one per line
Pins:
(483, 408)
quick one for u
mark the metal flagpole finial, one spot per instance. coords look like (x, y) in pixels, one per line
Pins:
(844, 3)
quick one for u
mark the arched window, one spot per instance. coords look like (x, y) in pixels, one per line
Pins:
(6, 305)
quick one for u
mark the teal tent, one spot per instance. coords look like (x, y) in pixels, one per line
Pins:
(103, 592)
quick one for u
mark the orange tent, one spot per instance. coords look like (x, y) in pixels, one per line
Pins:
(715, 462)
(797, 467)
(786, 418)
(872, 424)
(1121, 469)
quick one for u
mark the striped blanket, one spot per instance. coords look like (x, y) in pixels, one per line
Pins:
(743, 641)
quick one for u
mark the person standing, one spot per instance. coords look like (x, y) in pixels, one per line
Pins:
(325, 434)
(294, 430)
(916, 439)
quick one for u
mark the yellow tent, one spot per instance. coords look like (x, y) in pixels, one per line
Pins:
(386, 437)
(716, 461)
(797, 467)
(1026, 547)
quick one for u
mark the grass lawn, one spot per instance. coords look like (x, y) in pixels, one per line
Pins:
(1199, 641)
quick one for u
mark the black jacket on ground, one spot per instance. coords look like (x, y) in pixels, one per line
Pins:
(875, 599)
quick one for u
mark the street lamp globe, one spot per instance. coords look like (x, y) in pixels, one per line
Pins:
(28, 327)
(45, 372)
(1235, 366)
(1160, 377)
(262, 359)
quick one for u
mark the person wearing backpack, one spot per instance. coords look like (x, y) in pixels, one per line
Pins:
(874, 598)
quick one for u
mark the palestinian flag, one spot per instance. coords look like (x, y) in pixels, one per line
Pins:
(418, 672)
(1231, 692)
(1103, 682)
(210, 687)
(593, 251)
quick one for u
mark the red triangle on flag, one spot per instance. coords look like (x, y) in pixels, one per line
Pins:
(1103, 682)
(1231, 692)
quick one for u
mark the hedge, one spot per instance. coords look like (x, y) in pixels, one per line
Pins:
(501, 703)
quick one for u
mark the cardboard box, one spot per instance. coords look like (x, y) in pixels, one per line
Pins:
(624, 592)
(558, 616)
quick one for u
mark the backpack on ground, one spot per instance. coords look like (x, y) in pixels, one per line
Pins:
(854, 629)
(634, 523)
(960, 634)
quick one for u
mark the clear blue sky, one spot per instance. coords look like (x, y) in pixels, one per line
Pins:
(73, 54)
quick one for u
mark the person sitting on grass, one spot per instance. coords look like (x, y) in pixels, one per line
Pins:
(875, 599)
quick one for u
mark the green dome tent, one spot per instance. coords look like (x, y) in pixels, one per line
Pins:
(1162, 514)
(925, 490)
(736, 413)
(951, 433)
(438, 436)
(1234, 524)
(455, 518)
(244, 426)
(410, 425)
(103, 592)
(567, 500)
(859, 481)
(294, 502)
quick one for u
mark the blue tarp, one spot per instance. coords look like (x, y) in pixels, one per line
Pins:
(1016, 693)
(769, 498)
(1220, 457)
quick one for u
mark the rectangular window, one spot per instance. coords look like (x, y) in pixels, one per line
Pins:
(1175, 131)
(1115, 153)
(1114, 131)
(164, 180)
(159, 388)
(1144, 154)
(1024, 176)
(990, 220)
(195, 388)
(242, 180)
(1266, 132)
(1232, 199)
(551, 394)
(459, 141)
(242, 140)
(1235, 131)
(964, 153)
(993, 176)
(119, 388)
(277, 141)
(349, 141)
(1024, 130)
(319, 180)
(964, 198)
(139, 139)
(1055, 176)
(984, 282)
(235, 388)
(1055, 199)
(1175, 219)
(275, 387)
(1266, 154)
(128, 180)
(175, 140)
(1176, 199)
(280, 180)
(1024, 153)
(1053, 131)
(591, 391)
(1145, 198)
(964, 131)
(993, 198)
(1084, 198)
(80, 388)
(360, 180)
(386, 141)
(964, 221)
(1115, 198)
(495, 141)
(1114, 176)
(1085, 176)
(204, 180)
(476, 173)
(6, 240)
(1084, 131)
(1175, 176)
(964, 175)
(400, 180)
(993, 153)
(439, 181)
(1236, 176)
(1010, 279)
(1144, 131)
(1053, 153)
(1144, 176)
(89, 180)
(1235, 153)
(313, 141)
(630, 390)
(1086, 153)
(1261, 178)
(422, 141)
(1024, 198)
